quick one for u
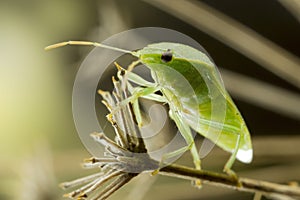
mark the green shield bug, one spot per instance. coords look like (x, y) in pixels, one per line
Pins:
(208, 109)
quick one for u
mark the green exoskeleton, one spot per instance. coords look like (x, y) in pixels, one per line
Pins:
(190, 84)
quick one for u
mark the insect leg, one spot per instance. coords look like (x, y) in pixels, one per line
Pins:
(139, 92)
(153, 96)
(173, 154)
(227, 168)
(137, 112)
(134, 78)
(169, 155)
(135, 103)
(129, 75)
(187, 134)
(146, 92)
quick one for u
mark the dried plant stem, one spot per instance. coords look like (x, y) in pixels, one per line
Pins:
(241, 184)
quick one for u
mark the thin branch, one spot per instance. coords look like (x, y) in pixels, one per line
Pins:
(241, 184)
(236, 35)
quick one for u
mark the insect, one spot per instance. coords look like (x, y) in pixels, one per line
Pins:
(190, 84)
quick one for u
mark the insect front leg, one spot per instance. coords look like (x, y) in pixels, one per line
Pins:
(147, 90)
(133, 99)
(151, 96)
(132, 77)
(135, 78)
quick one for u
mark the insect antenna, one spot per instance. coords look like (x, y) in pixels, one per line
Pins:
(86, 43)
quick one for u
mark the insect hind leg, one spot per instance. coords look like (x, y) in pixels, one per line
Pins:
(227, 168)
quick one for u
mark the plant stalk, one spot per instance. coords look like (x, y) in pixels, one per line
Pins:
(239, 184)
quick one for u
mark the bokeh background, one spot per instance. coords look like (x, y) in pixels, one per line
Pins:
(255, 44)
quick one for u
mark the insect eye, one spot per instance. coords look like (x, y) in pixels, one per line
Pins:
(167, 56)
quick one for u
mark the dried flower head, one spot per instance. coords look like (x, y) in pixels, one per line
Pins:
(124, 158)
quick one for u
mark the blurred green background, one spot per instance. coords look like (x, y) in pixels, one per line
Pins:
(39, 144)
